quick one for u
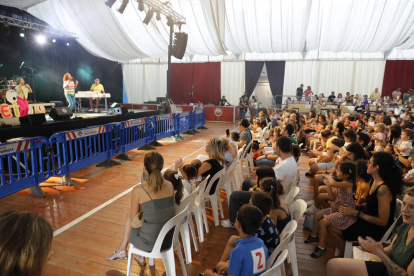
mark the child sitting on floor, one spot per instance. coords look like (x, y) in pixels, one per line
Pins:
(249, 255)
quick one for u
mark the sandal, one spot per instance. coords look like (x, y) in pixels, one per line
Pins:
(117, 256)
(144, 263)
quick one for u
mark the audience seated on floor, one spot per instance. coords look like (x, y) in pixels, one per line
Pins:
(25, 243)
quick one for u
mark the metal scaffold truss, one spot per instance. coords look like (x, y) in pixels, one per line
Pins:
(9, 21)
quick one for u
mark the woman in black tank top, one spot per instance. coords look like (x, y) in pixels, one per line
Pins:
(377, 214)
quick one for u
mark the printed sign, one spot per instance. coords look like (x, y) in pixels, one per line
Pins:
(199, 111)
(351, 107)
(14, 147)
(183, 114)
(165, 116)
(308, 106)
(84, 132)
(136, 122)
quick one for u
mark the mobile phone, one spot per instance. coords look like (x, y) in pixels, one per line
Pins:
(227, 132)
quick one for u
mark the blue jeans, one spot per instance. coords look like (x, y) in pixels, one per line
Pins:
(71, 100)
(265, 162)
(242, 113)
(299, 98)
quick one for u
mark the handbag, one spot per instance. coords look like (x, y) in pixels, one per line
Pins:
(308, 223)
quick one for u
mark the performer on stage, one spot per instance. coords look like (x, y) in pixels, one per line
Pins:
(22, 92)
(96, 87)
(69, 88)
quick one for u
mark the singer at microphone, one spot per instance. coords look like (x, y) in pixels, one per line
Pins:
(21, 64)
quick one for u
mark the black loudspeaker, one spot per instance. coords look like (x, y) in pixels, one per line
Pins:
(33, 120)
(60, 113)
(120, 110)
(180, 44)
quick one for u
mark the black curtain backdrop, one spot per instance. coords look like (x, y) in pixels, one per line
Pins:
(276, 75)
(52, 61)
(253, 69)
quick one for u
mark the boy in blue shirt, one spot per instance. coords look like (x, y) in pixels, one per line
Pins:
(249, 256)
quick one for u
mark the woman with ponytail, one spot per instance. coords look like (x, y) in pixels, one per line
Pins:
(280, 211)
(214, 149)
(155, 198)
(180, 193)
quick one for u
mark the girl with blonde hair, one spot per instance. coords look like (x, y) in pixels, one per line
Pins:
(155, 197)
(25, 242)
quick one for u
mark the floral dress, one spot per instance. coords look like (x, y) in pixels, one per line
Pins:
(334, 216)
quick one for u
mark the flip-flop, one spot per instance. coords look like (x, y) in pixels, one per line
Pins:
(117, 257)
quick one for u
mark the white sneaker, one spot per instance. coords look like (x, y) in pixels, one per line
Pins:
(96, 110)
(311, 210)
(310, 203)
(226, 223)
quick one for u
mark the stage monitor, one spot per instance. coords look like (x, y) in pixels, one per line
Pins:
(114, 105)
(120, 110)
(60, 113)
(33, 120)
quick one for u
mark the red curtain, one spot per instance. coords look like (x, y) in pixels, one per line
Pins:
(206, 84)
(398, 73)
(181, 83)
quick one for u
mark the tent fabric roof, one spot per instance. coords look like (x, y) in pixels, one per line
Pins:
(252, 29)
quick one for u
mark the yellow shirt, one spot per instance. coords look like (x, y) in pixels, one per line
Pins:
(24, 92)
(97, 88)
(329, 145)
(374, 95)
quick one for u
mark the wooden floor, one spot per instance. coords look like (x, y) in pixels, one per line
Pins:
(81, 249)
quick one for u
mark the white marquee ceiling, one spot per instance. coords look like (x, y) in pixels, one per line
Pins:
(279, 29)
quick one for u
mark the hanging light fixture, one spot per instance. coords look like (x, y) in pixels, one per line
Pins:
(148, 17)
(110, 3)
(140, 5)
(123, 6)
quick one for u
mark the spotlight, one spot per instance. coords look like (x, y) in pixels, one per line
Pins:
(41, 39)
(110, 3)
(158, 15)
(54, 40)
(21, 34)
(67, 44)
(147, 18)
(140, 5)
(123, 6)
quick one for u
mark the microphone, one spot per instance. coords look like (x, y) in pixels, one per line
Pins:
(21, 64)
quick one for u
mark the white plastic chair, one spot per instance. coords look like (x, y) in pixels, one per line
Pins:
(286, 238)
(291, 195)
(227, 182)
(278, 267)
(166, 255)
(348, 244)
(298, 207)
(199, 210)
(214, 198)
(247, 157)
(188, 226)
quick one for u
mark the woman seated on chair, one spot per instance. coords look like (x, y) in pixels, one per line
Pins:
(377, 214)
(230, 151)
(245, 134)
(214, 163)
(396, 259)
(155, 197)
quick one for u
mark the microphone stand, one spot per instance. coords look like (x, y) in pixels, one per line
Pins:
(33, 81)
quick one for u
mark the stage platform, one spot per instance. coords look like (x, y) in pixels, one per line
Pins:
(82, 120)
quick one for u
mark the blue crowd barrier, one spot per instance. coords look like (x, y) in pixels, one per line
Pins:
(77, 149)
(23, 164)
(165, 125)
(29, 162)
(185, 121)
(199, 118)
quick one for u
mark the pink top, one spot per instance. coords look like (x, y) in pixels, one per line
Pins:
(395, 94)
(307, 93)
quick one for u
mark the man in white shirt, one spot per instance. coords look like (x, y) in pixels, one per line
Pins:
(391, 115)
(286, 168)
(398, 109)
(374, 95)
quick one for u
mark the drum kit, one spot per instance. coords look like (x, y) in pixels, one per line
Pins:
(8, 94)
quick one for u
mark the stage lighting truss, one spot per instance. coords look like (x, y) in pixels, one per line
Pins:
(9, 21)
(164, 9)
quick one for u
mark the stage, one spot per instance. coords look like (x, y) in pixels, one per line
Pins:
(51, 127)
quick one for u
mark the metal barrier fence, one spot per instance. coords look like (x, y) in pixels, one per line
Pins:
(29, 162)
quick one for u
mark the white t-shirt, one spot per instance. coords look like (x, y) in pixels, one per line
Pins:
(189, 186)
(393, 120)
(406, 147)
(403, 115)
(259, 133)
(286, 170)
(409, 174)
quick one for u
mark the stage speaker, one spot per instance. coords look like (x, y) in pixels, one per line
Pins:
(33, 120)
(60, 113)
(120, 110)
(180, 44)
